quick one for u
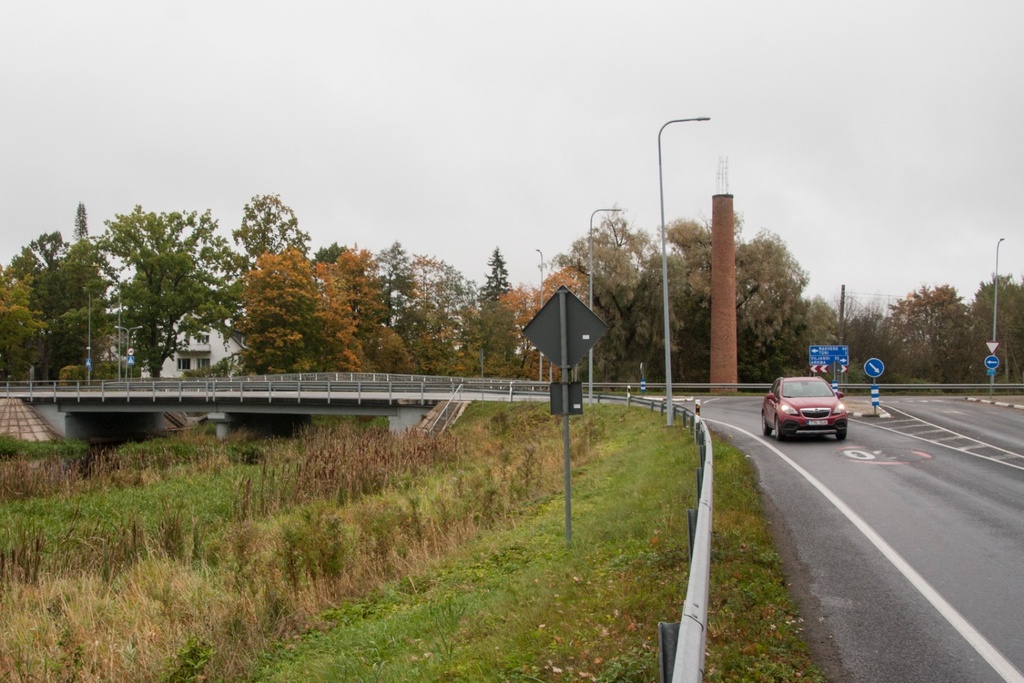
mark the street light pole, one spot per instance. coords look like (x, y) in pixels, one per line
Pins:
(88, 347)
(540, 302)
(995, 310)
(590, 287)
(664, 275)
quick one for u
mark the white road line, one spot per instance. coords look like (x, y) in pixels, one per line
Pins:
(1002, 666)
(963, 449)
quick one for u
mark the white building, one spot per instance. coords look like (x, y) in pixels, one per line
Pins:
(202, 353)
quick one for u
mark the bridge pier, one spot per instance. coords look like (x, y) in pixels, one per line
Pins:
(96, 425)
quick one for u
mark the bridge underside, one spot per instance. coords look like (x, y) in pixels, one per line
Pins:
(135, 420)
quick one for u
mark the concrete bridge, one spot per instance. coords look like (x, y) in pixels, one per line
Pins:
(275, 405)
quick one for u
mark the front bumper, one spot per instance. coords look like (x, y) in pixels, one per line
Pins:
(792, 425)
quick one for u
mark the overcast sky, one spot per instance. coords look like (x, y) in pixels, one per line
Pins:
(882, 141)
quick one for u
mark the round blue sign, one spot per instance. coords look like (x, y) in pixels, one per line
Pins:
(874, 367)
(992, 362)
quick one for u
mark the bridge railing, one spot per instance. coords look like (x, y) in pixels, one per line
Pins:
(391, 384)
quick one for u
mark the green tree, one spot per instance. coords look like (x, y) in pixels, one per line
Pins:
(626, 297)
(19, 327)
(437, 336)
(491, 329)
(1009, 326)
(328, 254)
(397, 284)
(81, 223)
(269, 226)
(497, 283)
(771, 313)
(61, 278)
(173, 272)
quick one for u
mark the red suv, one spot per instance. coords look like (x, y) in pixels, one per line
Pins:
(803, 405)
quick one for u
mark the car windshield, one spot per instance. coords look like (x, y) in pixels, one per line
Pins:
(805, 389)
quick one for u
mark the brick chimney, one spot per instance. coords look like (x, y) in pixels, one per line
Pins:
(723, 291)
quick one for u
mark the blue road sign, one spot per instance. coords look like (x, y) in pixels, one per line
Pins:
(992, 362)
(823, 355)
(131, 360)
(643, 386)
(88, 363)
(874, 367)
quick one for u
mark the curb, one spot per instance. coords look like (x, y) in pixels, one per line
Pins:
(1002, 404)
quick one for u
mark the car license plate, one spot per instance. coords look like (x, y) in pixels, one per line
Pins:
(817, 423)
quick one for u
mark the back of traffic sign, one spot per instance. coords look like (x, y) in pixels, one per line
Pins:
(582, 329)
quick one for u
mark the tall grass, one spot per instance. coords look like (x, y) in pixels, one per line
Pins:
(182, 560)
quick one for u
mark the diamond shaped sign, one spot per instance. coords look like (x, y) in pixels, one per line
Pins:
(582, 328)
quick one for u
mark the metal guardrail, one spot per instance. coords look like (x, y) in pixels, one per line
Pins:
(682, 645)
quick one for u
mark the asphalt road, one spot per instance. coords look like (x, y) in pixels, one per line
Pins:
(904, 544)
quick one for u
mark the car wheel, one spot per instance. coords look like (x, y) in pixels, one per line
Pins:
(766, 428)
(779, 436)
(841, 435)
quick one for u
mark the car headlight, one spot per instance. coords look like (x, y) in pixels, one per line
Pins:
(839, 409)
(788, 409)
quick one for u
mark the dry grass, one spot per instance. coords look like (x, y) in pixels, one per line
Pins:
(178, 593)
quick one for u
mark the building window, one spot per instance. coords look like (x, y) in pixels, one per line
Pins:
(202, 339)
(202, 363)
(184, 364)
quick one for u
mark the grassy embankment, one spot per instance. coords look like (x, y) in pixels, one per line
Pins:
(355, 555)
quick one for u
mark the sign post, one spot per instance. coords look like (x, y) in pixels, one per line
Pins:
(874, 368)
(992, 363)
(565, 329)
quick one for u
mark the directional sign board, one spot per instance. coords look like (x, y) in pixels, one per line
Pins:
(582, 329)
(874, 367)
(827, 354)
(992, 362)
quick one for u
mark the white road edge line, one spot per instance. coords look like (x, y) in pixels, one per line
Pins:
(996, 660)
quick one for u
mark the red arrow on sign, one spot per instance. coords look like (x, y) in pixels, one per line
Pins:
(819, 368)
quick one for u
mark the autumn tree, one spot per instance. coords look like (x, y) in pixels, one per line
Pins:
(523, 302)
(281, 322)
(934, 330)
(340, 349)
(269, 226)
(380, 348)
(173, 272)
